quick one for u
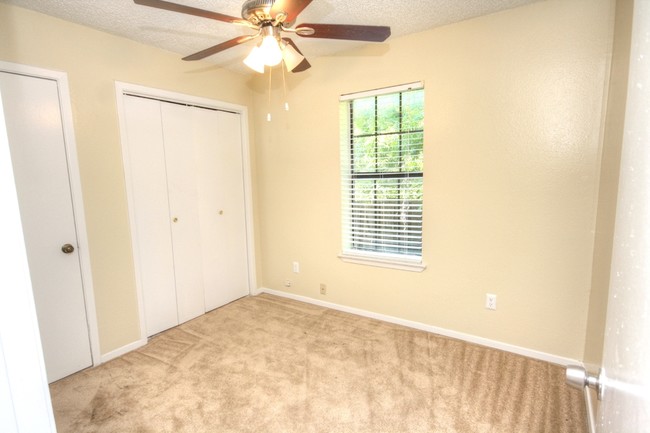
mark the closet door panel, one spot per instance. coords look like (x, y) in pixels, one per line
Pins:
(180, 133)
(222, 209)
(152, 227)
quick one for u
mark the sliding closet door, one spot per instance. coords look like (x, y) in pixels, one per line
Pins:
(148, 193)
(223, 218)
(187, 200)
(182, 135)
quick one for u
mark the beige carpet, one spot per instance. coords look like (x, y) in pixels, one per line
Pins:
(267, 364)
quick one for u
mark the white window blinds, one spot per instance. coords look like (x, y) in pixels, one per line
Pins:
(381, 172)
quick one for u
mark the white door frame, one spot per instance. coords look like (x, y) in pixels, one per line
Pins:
(122, 90)
(61, 78)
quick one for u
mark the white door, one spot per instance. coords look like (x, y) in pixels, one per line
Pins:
(25, 404)
(149, 201)
(223, 219)
(185, 179)
(165, 200)
(181, 133)
(35, 132)
(626, 357)
(206, 198)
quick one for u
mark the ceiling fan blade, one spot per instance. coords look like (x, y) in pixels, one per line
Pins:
(291, 7)
(160, 4)
(346, 32)
(220, 47)
(302, 66)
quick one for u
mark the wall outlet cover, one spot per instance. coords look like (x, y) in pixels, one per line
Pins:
(490, 301)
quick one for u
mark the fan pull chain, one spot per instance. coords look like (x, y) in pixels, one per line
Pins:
(268, 115)
(284, 86)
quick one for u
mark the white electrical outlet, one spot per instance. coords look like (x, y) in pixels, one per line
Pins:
(490, 301)
(296, 267)
(323, 289)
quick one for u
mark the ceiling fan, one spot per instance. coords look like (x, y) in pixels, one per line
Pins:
(271, 19)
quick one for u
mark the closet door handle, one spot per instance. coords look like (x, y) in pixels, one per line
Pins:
(67, 249)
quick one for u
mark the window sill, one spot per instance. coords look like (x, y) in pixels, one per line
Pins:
(403, 265)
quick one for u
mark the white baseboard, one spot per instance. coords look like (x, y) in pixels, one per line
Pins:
(554, 359)
(122, 350)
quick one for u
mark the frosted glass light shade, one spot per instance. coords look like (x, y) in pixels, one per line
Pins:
(292, 58)
(271, 52)
(254, 60)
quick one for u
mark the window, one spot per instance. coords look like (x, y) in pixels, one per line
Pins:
(381, 171)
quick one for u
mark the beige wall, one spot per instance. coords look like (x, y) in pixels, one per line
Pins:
(94, 61)
(611, 156)
(514, 106)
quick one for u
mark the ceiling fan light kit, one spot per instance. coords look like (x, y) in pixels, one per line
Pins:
(271, 51)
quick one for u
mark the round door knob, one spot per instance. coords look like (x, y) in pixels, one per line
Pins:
(67, 248)
(175, 219)
(578, 377)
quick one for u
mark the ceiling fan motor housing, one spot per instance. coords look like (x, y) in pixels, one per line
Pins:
(257, 11)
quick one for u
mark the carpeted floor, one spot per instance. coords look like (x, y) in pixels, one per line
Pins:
(268, 364)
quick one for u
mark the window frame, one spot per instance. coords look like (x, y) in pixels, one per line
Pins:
(349, 254)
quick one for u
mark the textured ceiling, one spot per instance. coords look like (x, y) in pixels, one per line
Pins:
(185, 34)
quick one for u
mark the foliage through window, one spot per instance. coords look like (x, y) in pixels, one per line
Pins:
(382, 172)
